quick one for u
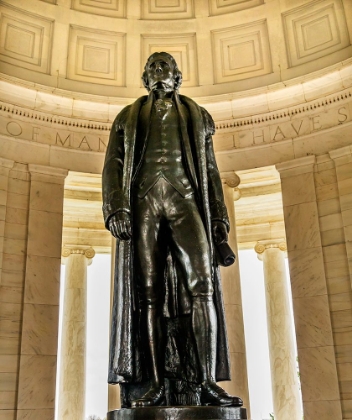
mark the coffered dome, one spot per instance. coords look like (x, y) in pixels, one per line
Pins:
(100, 47)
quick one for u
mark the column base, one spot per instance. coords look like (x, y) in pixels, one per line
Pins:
(179, 413)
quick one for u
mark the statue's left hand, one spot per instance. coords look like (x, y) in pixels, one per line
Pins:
(219, 230)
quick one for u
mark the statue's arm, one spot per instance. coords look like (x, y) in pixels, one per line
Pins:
(218, 211)
(116, 212)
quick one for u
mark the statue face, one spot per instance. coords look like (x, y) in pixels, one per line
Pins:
(160, 73)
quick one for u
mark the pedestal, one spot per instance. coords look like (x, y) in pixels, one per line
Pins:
(179, 413)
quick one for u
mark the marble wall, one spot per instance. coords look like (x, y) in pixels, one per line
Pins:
(29, 291)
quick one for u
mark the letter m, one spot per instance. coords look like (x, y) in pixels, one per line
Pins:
(63, 143)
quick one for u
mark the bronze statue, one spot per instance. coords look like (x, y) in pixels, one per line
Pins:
(163, 201)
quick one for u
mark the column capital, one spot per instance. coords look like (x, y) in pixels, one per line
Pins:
(231, 179)
(262, 246)
(87, 251)
(341, 156)
(296, 166)
(47, 173)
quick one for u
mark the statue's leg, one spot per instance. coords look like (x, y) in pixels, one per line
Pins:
(192, 251)
(149, 267)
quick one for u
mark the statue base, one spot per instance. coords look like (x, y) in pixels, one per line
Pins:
(179, 413)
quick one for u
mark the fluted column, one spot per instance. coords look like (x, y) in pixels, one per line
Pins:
(73, 342)
(284, 374)
(231, 283)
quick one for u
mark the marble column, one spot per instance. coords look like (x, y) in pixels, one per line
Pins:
(73, 343)
(114, 401)
(284, 375)
(40, 300)
(5, 166)
(231, 283)
(311, 308)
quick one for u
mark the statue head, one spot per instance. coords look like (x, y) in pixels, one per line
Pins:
(161, 72)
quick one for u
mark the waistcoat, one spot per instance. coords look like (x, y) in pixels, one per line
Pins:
(163, 156)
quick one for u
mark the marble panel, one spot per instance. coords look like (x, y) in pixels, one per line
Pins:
(4, 180)
(339, 285)
(347, 408)
(340, 301)
(318, 374)
(329, 207)
(302, 227)
(37, 382)
(346, 389)
(3, 196)
(327, 192)
(36, 414)
(90, 110)
(13, 262)
(40, 223)
(345, 186)
(76, 160)
(235, 328)
(346, 217)
(11, 294)
(231, 288)
(10, 311)
(17, 201)
(348, 233)
(16, 231)
(337, 269)
(42, 280)
(322, 410)
(8, 381)
(40, 329)
(10, 331)
(341, 321)
(23, 150)
(19, 186)
(344, 371)
(48, 197)
(9, 345)
(332, 237)
(312, 320)
(298, 189)
(12, 278)
(331, 221)
(8, 363)
(54, 104)
(343, 353)
(346, 202)
(17, 216)
(7, 400)
(344, 172)
(326, 177)
(307, 272)
(334, 252)
(14, 246)
(343, 338)
(8, 414)
(2, 212)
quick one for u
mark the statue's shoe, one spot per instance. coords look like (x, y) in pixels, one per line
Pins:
(212, 394)
(154, 397)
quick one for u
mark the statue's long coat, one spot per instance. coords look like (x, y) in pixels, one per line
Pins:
(125, 151)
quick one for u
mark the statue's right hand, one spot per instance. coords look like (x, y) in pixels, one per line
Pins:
(120, 226)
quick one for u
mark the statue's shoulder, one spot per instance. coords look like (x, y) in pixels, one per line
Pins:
(207, 118)
(125, 114)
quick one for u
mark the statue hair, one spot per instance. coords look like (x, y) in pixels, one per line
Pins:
(177, 72)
